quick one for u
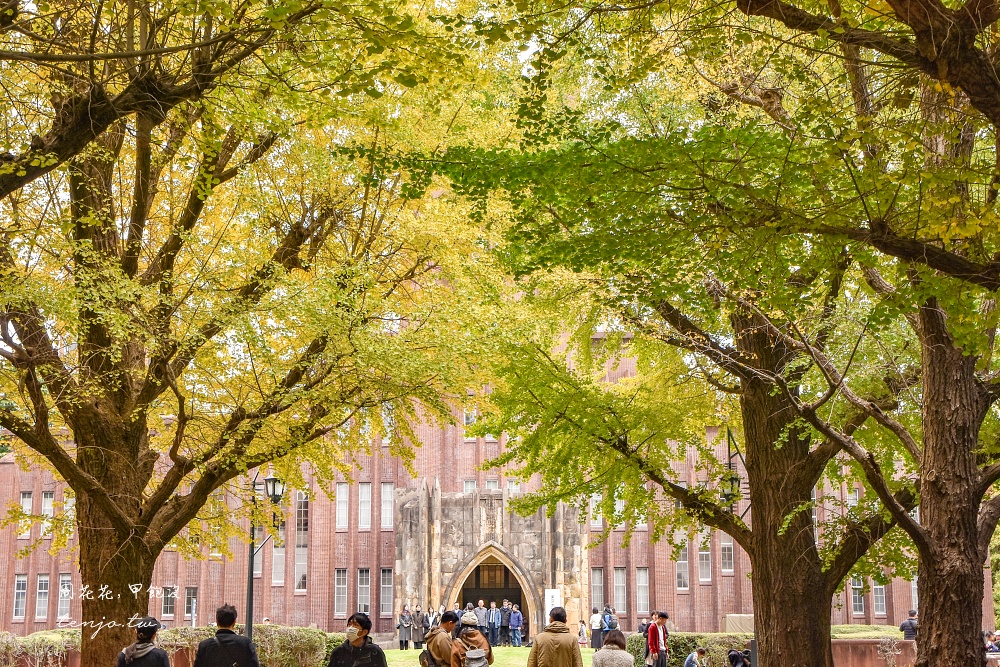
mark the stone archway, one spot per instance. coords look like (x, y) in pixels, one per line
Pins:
(493, 550)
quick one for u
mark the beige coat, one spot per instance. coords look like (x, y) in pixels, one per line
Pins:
(555, 646)
(439, 644)
(475, 638)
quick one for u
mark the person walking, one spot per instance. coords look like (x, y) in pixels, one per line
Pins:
(493, 623)
(359, 649)
(505, 612)
(516, 623)
(226, 648)
(143, 652)
(439, 640)
(405, 627)
(910, 626)
(696, 659)
(481, 612)
(659, 650)
(555, 646)
(421, 624)
(614, 652)
(596, 636)
(471, 646)
(581, 633)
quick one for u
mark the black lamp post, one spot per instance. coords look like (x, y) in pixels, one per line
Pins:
(274, 489)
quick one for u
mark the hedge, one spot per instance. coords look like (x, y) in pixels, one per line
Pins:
(277, 645)
(682, 644)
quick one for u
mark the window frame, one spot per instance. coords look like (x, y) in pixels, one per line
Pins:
(642, 590)
(682, 568)
(597, 588)
(20, 591)
(42, 596)
(364, 514)
(340, 592)
(387, 508)
(366, 599)
(65, 578)
(385, 601)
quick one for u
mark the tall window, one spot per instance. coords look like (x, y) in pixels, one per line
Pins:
(513, 487)
(705, 556)
(47, 512)
(913, 594)
(301, 539)
(20, 595)
(42, 597)
(258, 559)
(620, 602)
(190, 601)
(727, 553)
(26, 509)
(878, 599)
(493, 485)
(683, 581)
(385, 592)
(340, 592)
(365, 505)
(597, 587)
(596, 520)
(69, 507)
(853, 496)
(642, 590)
(343, 498)
(388, 503)
(278, 558)
(65, 595)
(364, 590)
(815, 514)
(469, 486)
(169, 600)
(857, 595)
(469, 417)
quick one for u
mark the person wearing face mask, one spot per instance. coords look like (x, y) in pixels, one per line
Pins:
(358, 649)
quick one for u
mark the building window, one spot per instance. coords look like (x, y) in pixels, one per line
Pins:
(26, 509)
(596, 519)
(727, 553)
(388, 424)
(65, 595)
(301, 539)
(857, 595)
(683, 582)
(343, 500)
(677, 503)
(852, 498)
(364, 506)
(705, 556)
(364, 590)
(258, 559)
(513, 487)
(642, 590)
(42, 597)
(620, 601)
(468, 417)
(469, 486)
(278, 558)
(169, 600)
(493, 485)
(69, 507)
(913, 595)
(340, 593)
(190, 601)
(597, 587)
(814, 514)
(878, 599)
(47, 498)
(388, 503)
(20, 595)
(385, 593)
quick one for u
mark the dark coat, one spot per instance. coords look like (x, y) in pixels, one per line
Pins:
(226, 649)
(505, 613)
(366, 655)
(155, 658)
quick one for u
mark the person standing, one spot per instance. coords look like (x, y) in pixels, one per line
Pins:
(458, 612)
(505, 612)
(581, 633)
(644, 631)
(470, 639)
(596, 635)
(439, 641)
(359, 649)
(555, 646)
(226, 648)
(614, 653)
(909, 626)
(421, 624)
(659, 650)
(405, 627)
(605, 623)
(481, 612)
(516, 623)
(696, 659)
(493, 623)
(143, 652)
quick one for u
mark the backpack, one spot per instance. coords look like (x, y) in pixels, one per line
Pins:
(612, 622)
(426, 659)
(474, 656)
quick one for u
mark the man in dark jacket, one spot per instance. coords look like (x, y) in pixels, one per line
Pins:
(909, 626)
(505, 612)
(226, 648)
(359, 648)
(144, 653)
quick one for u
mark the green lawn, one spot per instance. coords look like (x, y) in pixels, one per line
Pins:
(505, 657)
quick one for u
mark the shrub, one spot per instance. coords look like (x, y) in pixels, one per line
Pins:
(683, 644)
(8, 649)
(333, 640)
(284, 646)
(48, 647)
(183, 637)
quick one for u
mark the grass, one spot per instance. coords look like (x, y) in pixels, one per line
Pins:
(503, 657)
(865, 631)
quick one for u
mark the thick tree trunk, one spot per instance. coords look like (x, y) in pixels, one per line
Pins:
(950, 582)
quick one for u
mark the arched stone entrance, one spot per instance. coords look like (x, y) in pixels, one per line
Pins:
(504, 577)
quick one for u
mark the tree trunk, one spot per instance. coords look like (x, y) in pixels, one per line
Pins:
(950, 584)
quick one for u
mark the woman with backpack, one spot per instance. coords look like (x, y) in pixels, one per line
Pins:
(471, 648)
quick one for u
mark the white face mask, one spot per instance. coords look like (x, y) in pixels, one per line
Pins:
(352, 633)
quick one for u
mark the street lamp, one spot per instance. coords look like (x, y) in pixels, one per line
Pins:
(274, 488)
